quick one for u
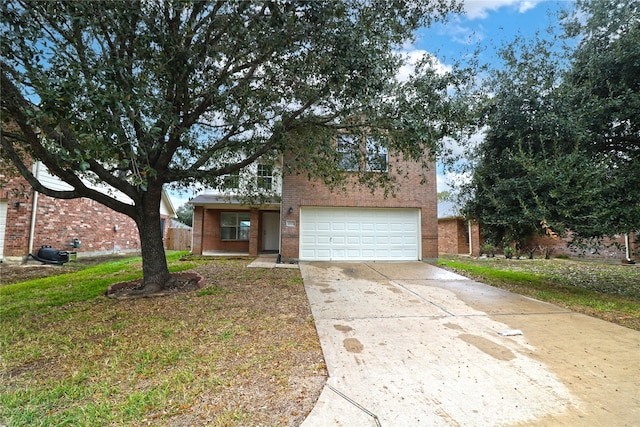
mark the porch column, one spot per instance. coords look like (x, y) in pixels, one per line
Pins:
(197, 230)
(253, 232)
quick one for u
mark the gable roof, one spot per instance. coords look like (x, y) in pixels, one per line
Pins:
(219, 199)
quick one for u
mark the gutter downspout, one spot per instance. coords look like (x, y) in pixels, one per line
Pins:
(626, 243)
(34, 209)
(470, 239)
(279, 258)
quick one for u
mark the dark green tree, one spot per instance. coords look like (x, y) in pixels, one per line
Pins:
(562, 139)
(185, 214)
(137, 95)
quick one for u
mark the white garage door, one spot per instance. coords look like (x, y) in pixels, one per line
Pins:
(359, 234)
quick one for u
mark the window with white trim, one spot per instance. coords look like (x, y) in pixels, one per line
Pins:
(377, 155)
(231, 181)
(348, 147)
(265, 176)
(234, 226)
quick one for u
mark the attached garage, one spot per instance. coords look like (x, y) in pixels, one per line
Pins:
(359, 234)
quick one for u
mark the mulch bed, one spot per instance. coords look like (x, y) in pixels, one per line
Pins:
(180, 283)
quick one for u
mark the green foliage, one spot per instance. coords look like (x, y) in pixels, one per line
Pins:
(444, 196)
(508, 252)
(137, 95)
(488, 249)
(185, 214)
(562, 143)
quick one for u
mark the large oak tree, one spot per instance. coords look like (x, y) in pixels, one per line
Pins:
(563, 137)
(136, 95)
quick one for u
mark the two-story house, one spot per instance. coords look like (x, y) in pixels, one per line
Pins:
(305, 220)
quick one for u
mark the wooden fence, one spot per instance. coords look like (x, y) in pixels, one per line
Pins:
(179, 239)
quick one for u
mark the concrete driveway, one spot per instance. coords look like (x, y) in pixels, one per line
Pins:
(409, 344)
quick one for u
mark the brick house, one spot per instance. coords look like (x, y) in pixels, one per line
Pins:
(305, 220)
(454, 232)
(29, 220)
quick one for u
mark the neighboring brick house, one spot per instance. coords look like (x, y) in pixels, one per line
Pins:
(306, 221)
(454, 232)
(29, 220)
(453, 239)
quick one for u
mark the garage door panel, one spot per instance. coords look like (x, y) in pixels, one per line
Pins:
(354, 240)
(359, 234)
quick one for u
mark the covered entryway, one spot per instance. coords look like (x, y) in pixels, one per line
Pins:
(359, 234)
(270, 231)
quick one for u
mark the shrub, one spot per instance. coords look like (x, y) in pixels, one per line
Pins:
(488, 249)
(508, 252)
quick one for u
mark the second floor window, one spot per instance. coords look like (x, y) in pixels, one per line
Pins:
(231, 181)
(362, 153)
(348, 147)
(265, 177)
(377, 155)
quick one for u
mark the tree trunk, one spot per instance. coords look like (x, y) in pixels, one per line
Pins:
(154, 261)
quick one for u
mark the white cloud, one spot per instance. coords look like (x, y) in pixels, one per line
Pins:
(413, 57)
(451, 181)
(480, 9)
(465, 35)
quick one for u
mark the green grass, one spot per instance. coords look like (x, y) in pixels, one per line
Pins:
(604, 290)
(36, 296)
(72, 357)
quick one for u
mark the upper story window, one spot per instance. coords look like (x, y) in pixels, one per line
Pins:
(265, 176)
(231, 181)
(348, 147)
(234, 226)
(358, 153)
(377, 155)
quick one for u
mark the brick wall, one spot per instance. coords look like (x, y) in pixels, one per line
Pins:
(58, 222)
(299, 191)
(609, 249)
(453, 237)
(206, 232)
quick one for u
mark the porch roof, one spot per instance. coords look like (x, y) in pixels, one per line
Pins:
(222, 201)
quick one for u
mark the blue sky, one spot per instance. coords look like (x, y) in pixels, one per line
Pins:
(487, 23)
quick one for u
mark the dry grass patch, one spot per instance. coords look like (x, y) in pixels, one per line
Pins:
(241, 351)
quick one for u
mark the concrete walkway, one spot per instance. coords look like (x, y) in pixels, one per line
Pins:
(409, 344)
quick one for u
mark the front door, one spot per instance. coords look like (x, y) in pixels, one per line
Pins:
(270, 231)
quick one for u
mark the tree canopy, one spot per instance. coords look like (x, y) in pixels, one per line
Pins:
(563, 137)
(140, 94)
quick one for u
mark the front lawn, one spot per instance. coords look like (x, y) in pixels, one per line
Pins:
(241, 351)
